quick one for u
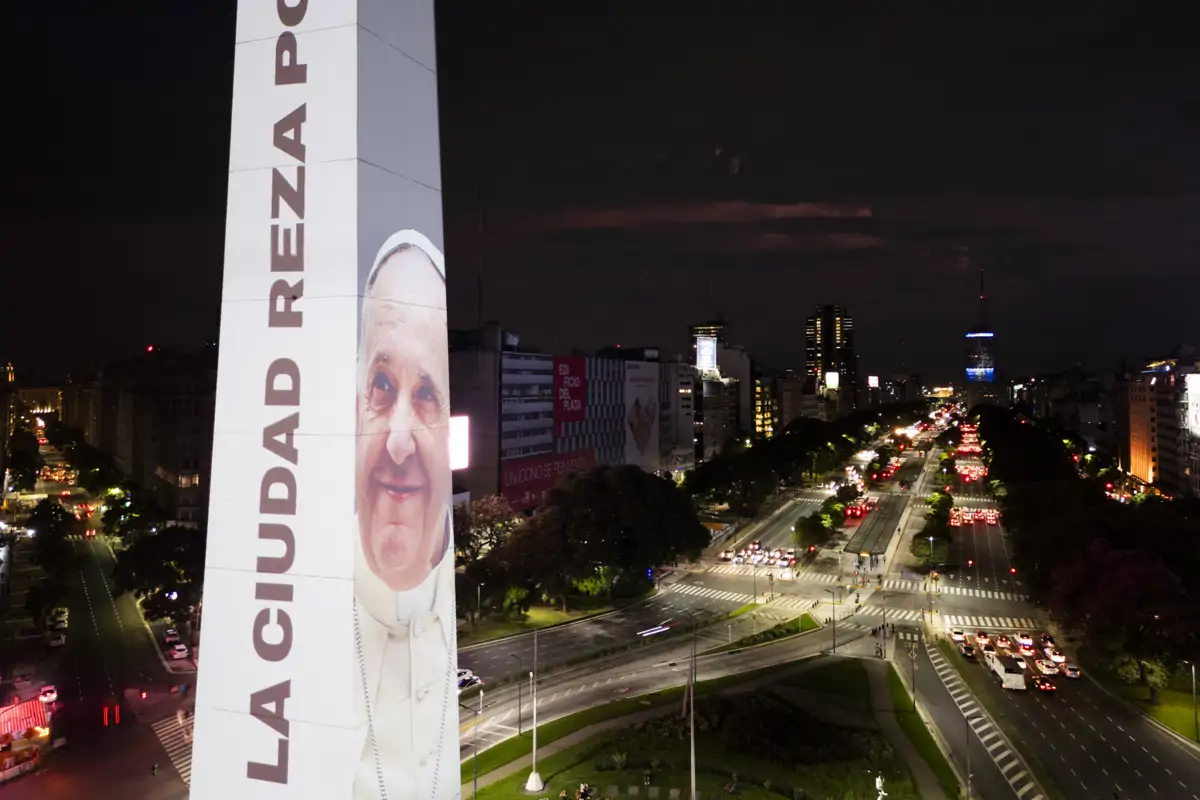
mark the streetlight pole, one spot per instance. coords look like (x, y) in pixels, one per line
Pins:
(833, 605)
(479, 602)
(967, 746)
(1195, 710)
(520, 668)
(475, 760)
(534, 782)
(692, 709)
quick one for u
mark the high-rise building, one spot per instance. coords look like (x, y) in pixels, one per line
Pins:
(980, 355)
(829, 351)
(1164, 428)
(766, 407)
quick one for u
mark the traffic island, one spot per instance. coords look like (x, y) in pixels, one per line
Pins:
(741, 746)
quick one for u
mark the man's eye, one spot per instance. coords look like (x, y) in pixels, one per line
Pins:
(381, 390)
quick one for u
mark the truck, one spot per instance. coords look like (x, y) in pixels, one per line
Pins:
(1005, 668)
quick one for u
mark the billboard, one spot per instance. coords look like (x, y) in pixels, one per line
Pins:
(706, 353)
(570, 391)
(460, 442)
(872, 381)
(1191, 384)
(833, 380)
(524, 481)
(641, 414)
(328, 642)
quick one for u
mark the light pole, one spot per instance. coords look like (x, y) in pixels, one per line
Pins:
(967, 746)
(692, 709)
(520, 668)
(931, 550)
(534, 782)
(479, 602)
(1195, 710)
(833, 605)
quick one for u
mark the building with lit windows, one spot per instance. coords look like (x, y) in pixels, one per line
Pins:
(1164, 423)
(766, 407)
(829, 350)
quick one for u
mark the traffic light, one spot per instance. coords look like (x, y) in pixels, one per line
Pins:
(812, 548)
(970, 562)
(1012, 570)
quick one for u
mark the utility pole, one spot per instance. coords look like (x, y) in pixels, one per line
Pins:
(534, 783)
(967, 745)
(520, 668)
(478, 716)
(692, 709)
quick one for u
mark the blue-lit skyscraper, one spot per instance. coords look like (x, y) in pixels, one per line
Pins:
(981, 354)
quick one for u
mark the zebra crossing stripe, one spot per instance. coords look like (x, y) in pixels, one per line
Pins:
(716, 594)
(1007, 623)
(176, 739)
(1001, 751)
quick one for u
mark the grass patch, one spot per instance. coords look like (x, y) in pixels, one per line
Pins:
(499, 626)
(846, 678)
(519, 746)
(784, 630)
(737, 612)
(977, 681)
(914, 728)
(735, 736)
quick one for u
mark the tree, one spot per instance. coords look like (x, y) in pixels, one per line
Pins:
(132, 512)
(165, 569)
(52, 524)
(482, 526)
(25, 462)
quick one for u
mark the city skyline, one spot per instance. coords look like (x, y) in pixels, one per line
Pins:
(1041, 171)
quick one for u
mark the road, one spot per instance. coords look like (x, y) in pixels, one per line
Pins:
(108, 652)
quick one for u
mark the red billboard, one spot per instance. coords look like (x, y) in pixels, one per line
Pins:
(524, 481)
(570, 391)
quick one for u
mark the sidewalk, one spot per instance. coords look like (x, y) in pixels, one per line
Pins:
(885, 714)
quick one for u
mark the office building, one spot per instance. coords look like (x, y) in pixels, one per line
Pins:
(535, 417)
(766, 407)
(153, 415)
(831, 361)
(1164, 422)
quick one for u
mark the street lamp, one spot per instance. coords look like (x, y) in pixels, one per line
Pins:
(967, 746)
(930, 549)
(520, 668)
(534, 783)
(1195, 710)
(833, 604)
(479, 602)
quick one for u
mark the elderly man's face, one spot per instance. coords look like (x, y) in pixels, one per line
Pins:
(403, 447)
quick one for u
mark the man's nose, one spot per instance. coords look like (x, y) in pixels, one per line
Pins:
(400, 441)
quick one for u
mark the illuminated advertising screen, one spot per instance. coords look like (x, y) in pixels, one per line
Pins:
(327, 646)
(641, 414)
(570, 391)
(460, 442)
(1191, 384)
(706, 353)
(872, 381)
(981, 374)
(833, 380)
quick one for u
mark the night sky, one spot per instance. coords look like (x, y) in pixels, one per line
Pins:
(638, 173)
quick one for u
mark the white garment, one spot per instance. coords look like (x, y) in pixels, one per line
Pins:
(408, 655)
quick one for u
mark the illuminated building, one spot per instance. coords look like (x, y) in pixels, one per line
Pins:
(766, 407)
(1164, 423)
(829, 348)
(980, 356)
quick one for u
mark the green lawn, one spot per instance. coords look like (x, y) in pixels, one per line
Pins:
(1173, 709)
(914, 728)
(845, 677)
(735, 736)
(783, 630)
(497, 627)
(976, 679)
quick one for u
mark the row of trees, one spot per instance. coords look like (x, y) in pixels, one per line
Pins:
(24, 460)
(1125, 576)
(602, 532)
(817, 528)
(744, 477)
(160, 563)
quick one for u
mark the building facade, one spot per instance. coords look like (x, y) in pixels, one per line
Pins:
(1164, 422)
(830, 350)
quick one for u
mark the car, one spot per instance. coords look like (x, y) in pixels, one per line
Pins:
(57, 639)
(1069, 671)
(1047, 640)
(89, 534)
(992, 519)
(1044, 684)
(739, 559)
(170, 636)
(756, 545)
(1025, 650)
(58, 625)
(468, 682)
(1025, 639)
(726, 555)
(1021, 662)
(1055, 656)
(782, 562)
(1004, 641)
(48, 694)
(464, 673)
(59, 612)
(1046, 667)
(791, 552)
(979, 515)
(179, 651)
(967, 650)
(981, 637)
(987, 648)
(957, 635)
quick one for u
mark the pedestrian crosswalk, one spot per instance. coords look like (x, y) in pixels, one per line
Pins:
(713, 594)
(988, 623)
(175, 734)
(914, 586)
(893, 614)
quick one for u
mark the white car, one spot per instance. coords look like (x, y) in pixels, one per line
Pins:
(783, 562)
(1025, 639)
(1055, 656)
(1069, 670)
(48, 694)
(957, 635)
(468, 682)
(464, 673)
(1021, 662)
(171, 636)
(57, 639)
(1046, 667)
(178, 651)
(791, 553)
